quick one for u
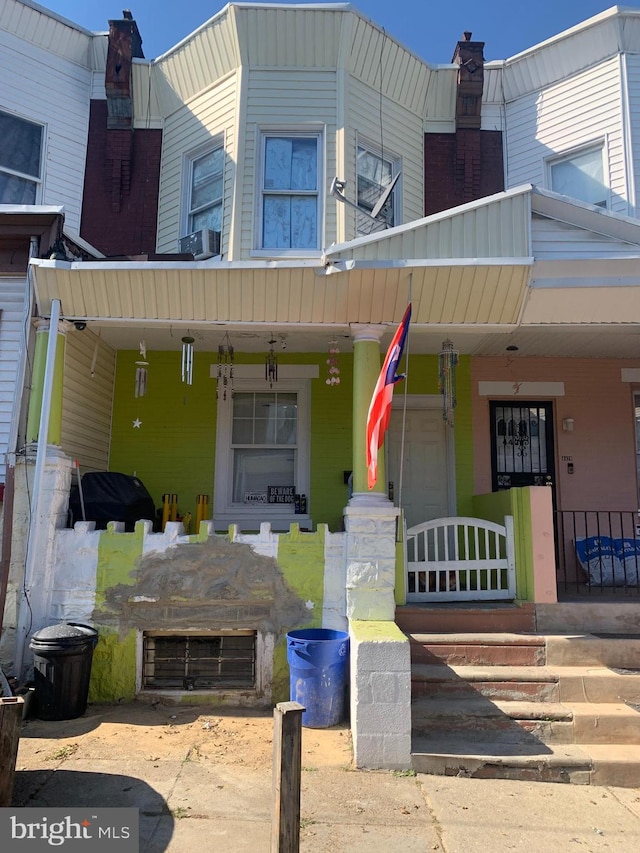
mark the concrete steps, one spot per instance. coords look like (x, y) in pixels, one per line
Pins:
(525, 706)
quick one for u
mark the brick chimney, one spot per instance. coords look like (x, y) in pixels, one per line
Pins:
(466, 165)
(124, 43)
(470, 57)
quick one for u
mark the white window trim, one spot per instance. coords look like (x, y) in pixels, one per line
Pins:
(218, 141)
(313, 130)
(599, 144)
(396, 167)
(39, 180)
(226, 512)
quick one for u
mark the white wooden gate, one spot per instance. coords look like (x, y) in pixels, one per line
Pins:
(460, 559)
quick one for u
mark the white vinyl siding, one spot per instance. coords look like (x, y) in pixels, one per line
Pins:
(557, 121)
(556, 240)
(278, 101)
(88, 399)
(633, 88)
(208, 117)
(401, 134)
(13, 319)
(44, 88)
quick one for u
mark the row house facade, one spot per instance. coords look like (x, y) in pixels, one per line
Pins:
(228, 237)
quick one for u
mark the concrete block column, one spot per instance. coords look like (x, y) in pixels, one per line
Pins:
(380, 665)
(380, 695)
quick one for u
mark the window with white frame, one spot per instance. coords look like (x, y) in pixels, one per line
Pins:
(580, 175)
(290, 200)
(262, 450)
(20, 159)
(205, 189)
(375, 171)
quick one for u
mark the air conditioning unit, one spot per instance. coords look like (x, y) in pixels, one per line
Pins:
(202, 244)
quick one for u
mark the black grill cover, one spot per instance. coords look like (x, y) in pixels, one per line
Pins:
(110, 496)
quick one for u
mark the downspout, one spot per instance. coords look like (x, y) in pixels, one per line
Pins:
(31, 562)
(9, 486)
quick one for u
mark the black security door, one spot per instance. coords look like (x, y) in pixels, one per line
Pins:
(521, 444)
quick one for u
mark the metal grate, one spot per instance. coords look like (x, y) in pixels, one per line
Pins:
(199, 662)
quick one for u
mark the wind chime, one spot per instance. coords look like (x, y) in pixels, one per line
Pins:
(225, 367)
(332, 364)
(187, 359)
(141, 371)
(447, 363)
(271, 364)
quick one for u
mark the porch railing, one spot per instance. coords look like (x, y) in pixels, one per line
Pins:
(598, 552)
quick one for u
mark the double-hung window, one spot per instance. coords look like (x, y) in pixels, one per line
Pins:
(375, 172)
(263, 444)
(580, 175)
(20, 160)
(290, 198)
(205, 182)
(262, 452)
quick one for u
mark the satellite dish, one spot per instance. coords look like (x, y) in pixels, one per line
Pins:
(337, 190)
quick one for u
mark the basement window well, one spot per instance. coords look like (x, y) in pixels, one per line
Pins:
(199, 661)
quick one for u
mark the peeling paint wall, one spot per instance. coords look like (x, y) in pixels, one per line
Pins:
(126, 584)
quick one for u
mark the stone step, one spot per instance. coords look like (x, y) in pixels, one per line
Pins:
(593, 650)
(547, 722)
(532, 683)
(539, 683)
(496, 649)
(484, 617)
(525, 723)
(583, 764)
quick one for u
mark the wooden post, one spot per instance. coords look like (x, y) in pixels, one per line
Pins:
(10, 725)
(287, 766)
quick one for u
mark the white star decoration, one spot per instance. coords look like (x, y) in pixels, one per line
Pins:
(137, 423)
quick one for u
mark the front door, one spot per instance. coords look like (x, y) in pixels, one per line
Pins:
(521, 444)
(424, 491)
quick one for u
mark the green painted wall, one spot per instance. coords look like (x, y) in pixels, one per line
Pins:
(173, 451)
(301, 558)
(516, 502)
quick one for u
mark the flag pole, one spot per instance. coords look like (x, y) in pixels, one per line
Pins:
(404, 412)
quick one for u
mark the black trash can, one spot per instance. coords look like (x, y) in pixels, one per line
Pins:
(62, 667)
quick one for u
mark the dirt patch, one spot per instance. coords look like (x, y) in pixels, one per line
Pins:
(158, 731)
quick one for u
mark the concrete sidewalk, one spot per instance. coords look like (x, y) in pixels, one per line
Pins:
(202, 781)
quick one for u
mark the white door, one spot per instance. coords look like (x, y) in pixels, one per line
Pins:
(425, 482)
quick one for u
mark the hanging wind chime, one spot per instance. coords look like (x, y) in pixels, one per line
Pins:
(447, 363)
(187, 359)
(141, 371)
(271, 364)
(225, 367)
(332, 364)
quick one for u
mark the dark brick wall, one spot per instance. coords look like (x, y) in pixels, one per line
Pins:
(120, 201)
(461, 167)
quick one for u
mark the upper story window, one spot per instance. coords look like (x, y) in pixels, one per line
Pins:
(204, 205)
(375, 173)
(20, 159)
(290, 202)
(580, 175)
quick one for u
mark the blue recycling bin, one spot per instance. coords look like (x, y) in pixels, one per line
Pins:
(317, 674)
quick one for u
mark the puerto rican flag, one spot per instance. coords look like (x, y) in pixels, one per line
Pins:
(380, 408)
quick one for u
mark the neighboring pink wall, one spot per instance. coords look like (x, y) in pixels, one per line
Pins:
(544, 558)
(603, 441)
